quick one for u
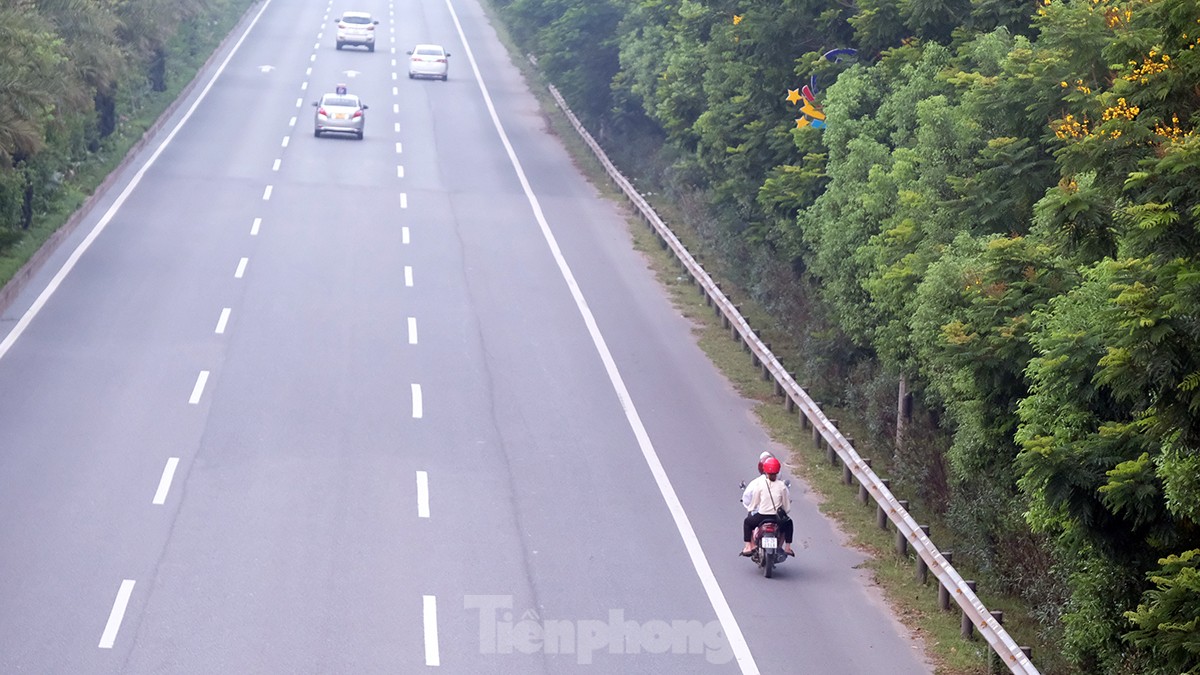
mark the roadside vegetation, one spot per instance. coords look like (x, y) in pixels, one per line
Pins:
(80, 82)
(998, 218)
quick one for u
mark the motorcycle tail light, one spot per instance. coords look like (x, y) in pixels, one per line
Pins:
(769, 527)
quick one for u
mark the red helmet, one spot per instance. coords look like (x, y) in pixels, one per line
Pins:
(770, 465)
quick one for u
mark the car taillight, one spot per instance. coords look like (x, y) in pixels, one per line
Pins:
(441, 60)
(357, 114)
(322, 113)
(371, 27)
(342, 26)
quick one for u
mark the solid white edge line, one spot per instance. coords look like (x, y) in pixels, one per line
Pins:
(83, 246)
(198, 389)
(708, 579)
(432, 657)
(109, 636)
(418, 405)
(412, 330)
(223, 320)
(164, 483)
(422, 494)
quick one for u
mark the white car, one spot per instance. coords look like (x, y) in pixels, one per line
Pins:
(428, 61)
(356, 28)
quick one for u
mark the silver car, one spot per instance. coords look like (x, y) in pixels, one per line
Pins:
(356, 28)
(339, 112)
(428, 61)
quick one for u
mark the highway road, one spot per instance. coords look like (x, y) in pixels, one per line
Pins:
(285, 404)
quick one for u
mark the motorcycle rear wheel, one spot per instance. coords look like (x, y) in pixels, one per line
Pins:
(768, 563)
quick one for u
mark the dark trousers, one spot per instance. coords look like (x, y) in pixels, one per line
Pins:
(753, 520)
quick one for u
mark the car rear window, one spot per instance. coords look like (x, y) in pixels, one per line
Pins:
(341, 101)
(429, 52)
(356, 19)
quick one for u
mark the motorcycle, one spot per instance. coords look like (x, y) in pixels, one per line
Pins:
(767, 540)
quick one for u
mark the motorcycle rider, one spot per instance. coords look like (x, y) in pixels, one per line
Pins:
(761, 478)
(769, 499)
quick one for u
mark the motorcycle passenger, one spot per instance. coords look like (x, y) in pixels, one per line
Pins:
(769, 500)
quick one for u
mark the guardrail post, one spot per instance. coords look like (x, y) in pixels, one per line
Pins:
(863, 494)
(881, 518)
(943, 592)
(968, 628)
(996, 665)
(816, 434)
(847, 475)
(788, 404)
(804, 424)
(922, 568)
(901, 542)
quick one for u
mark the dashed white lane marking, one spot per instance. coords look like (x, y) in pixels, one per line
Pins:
(291, 123)
(317, 46)
(254, 227)
(408, 276)
(716, 597)
(288, 139)
(399, 148)
(241, 268)
(422, 494)
(164, 483)
(393, 63)
(404, 200)
(312, 58)
(395, 90)
(399, 171)
(393, 74)
(395, 107)
(275, 166)
(308, 72)
(299, 102)
(418, 404)
(267, 192)
(412, 330)
(198, 389)
(303, 86)
(109, 636)
(404, 234)
(432, 658)
(397, 127)
(223, 320)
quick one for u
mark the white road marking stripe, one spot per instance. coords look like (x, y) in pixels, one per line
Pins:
(291, 123)
(164, 483)
(395, 106)
(299, 102)
(84, 245)
(404, 234)
(399, 171)
(432, 658)
(404, 200)
(412, 330)
(399, 148)
(308, 72)
(221, 322)
(397, 127)
(109, 636)
(733, 632)
(312, 58)
(241, 268)
(275, 167)
(304, 85)
(395, 90)
(393, 74)
(198, 389)
(422, 494)
(393, 63)
(408, 276)
(267, 192)
(418, 404)
(254, 227)
(287, 139)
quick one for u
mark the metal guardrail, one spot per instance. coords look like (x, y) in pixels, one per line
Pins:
(824, 429)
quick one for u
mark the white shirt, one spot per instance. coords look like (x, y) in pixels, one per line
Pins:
(766, 496)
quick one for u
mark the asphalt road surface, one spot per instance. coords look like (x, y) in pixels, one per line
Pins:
(286, 404)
